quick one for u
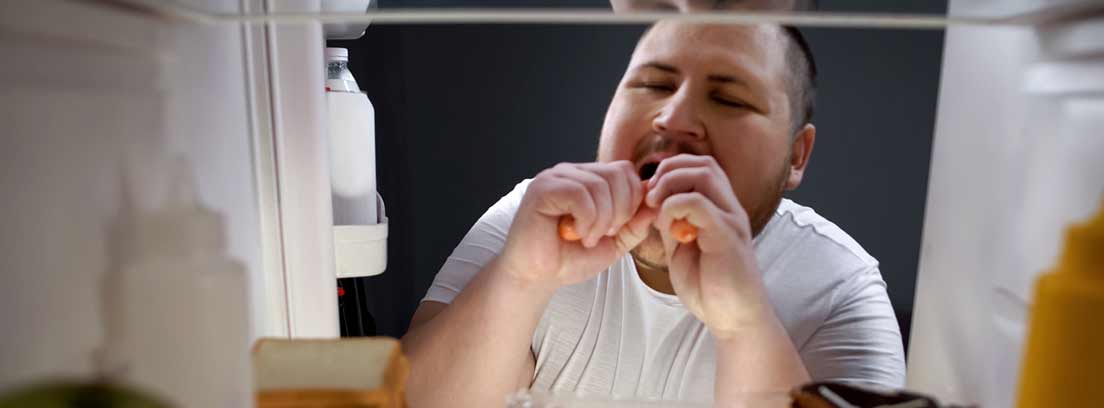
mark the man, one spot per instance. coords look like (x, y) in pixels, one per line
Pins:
(768, 296)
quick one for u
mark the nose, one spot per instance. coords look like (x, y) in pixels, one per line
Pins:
(679, 117)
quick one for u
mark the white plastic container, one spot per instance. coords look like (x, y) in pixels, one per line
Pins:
(361, 250)
(176, 307)
(360, 225)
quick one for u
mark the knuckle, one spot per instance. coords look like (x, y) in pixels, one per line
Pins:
(543, 176)
(541, 184)
(625, 166)
(735, 219)
(605, 171)
(739, 223)
(563, 166)
(617, 170)
(577, 190)
(714, 164)
(595, 185)
(558, 188)
(686, 201)
(585, 212)
(696, 198)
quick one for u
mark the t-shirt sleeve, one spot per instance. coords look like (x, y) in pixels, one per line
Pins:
(483, 242)
(860, 341)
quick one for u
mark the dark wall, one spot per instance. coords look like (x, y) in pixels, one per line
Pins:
(464, 112)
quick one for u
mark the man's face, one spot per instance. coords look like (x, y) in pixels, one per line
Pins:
(707, 90)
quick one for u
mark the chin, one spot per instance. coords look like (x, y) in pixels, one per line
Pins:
(650, 251)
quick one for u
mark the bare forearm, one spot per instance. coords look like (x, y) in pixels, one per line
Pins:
(759, 359)
(473, 352)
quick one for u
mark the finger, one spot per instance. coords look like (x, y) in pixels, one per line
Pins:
(684, 267)
(564, 197)
(716, 230)
(681, 259)
(697, 179)
(635, 189)
(599, 190)
(680, 161)
(636, 230)
(663, 225)
(617, 176)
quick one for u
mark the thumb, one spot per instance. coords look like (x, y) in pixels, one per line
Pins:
(636, 230)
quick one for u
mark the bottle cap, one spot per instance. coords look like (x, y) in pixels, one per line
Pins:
(336, 54)
(180, 226)
(1084, 241)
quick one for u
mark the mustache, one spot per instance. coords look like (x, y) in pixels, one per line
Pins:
(657, 143)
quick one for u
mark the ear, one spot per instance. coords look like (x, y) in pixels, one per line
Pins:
(800, 151)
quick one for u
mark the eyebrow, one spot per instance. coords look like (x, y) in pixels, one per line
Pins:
(661, 66)
(712, 78)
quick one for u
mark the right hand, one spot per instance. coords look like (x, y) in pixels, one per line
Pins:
(606, 201)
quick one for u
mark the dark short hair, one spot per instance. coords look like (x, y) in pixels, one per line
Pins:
(802, 79)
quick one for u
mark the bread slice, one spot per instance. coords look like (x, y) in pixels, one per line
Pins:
(350, 372)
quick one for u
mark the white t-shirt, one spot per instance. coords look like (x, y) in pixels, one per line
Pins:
(615, 337)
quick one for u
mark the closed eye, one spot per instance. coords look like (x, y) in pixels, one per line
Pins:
(730, 103)
(657, 86)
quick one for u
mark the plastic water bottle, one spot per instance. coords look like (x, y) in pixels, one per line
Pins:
(352, 130)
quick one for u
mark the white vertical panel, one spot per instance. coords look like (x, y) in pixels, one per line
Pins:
(302, 160)
(1016, 158)
(206, 116)
(95, 93)
(977, 122)
(206, 122)
(272, 287)
(62, 155)
(61, 162)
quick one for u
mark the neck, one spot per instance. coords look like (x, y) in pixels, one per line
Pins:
(655, 276)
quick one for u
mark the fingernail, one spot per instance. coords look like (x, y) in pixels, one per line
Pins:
(612, 231)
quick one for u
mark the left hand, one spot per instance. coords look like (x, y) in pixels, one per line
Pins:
(716, 276)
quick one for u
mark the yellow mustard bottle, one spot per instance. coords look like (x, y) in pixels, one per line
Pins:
(1064, 361)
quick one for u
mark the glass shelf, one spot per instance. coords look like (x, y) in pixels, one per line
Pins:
(874, 14)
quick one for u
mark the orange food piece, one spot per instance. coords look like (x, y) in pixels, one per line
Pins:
(684, 231)
(567, 229)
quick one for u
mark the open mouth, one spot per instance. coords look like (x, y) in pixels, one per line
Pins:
(648, 170)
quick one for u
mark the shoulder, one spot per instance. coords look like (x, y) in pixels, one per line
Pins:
(797, 229)
(482, 243)
(800, 248)
(521, 186)
(502, 212)
(515, 195)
